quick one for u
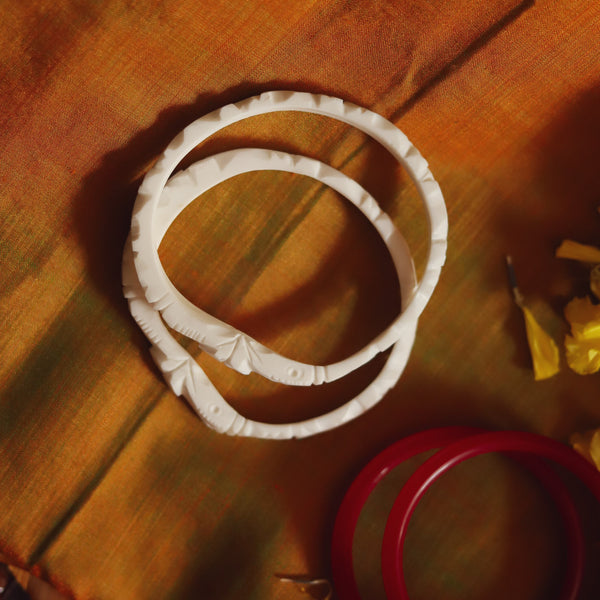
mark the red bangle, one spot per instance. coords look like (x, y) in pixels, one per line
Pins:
(459, 451)
(464, 439)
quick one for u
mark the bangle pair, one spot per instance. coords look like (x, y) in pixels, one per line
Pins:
(455, 445)
(155, 302)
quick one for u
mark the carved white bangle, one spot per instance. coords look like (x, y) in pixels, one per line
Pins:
(190, 320)
(183, 373)
(224, 342)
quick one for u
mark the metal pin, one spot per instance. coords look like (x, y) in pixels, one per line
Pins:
(512, 279)
(305, 584)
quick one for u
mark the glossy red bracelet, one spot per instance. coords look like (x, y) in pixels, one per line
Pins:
(463, 439)
(459, 451)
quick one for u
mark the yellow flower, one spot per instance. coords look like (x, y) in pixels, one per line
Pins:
(583, 345)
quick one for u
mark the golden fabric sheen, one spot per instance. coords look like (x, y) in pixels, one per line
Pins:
(110, 487)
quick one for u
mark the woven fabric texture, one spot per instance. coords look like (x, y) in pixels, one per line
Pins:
(110, 486)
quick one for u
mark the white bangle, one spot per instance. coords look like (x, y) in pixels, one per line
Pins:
(188, 319)
(182, 372)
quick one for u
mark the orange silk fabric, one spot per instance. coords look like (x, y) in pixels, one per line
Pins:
(110, 487)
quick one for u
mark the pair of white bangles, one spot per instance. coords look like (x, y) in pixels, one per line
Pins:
(155, 303)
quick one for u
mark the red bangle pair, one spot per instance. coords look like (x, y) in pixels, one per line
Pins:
(455, 445)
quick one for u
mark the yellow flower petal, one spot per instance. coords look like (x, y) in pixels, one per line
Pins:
(583, 345)
(576, 251)
(544, 353)
(588, 445)
(584, 318)
(582, 357)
